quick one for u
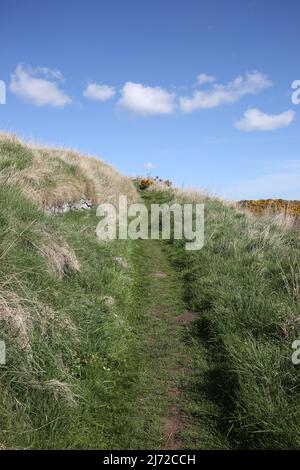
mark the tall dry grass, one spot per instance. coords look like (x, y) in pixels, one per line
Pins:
(52, 177)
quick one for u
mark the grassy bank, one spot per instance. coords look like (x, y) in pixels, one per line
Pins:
(96, 354)
(140, 344)
(66, 306)
(245, 283)
(70, 372)
(96, 357)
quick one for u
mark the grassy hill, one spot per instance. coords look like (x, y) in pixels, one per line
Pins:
(246, 284)
(289, 209)
(65, 303)
(140, 344)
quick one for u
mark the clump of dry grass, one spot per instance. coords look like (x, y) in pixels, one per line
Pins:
(190, 195)
(281, 219)
(9, 137)
(291, 279)
(21, 315)
(59, 256)
(59, 390)
(90, 178)
(58, 176)
(49, 182)
(16, 316)
(107, 183)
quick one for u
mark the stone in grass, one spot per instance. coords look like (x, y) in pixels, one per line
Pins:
(108, 300)
(121, 261)
(83, 204)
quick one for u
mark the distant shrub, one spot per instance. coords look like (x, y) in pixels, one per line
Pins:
(145, 183)
(260, 206)
(162, 182)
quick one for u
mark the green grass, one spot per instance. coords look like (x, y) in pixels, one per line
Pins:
(75, 337)
(245, 283)
(119, 361)
(71, 378)
(115, 363)
(14, 155)
(93, 348)
(170, 359)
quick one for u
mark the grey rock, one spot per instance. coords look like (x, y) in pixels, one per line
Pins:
(83, 204)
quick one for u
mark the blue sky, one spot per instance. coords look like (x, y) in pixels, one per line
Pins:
(198, 92)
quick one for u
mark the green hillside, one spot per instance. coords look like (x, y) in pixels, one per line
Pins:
(139, 344)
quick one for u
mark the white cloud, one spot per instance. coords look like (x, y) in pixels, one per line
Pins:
(250, 84)
(48, 73)
(256, 120)
(145, 100)
(28, 85)
(204, 78)
(99, 92)
(149, 166)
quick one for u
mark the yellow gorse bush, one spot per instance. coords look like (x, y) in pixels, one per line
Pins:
(260, 206)
(145, 183)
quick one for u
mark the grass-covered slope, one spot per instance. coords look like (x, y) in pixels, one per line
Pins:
(50, 176)
(66, 304)
(245, 284)
(96, 354)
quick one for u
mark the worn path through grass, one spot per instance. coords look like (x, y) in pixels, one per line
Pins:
(172, 411)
